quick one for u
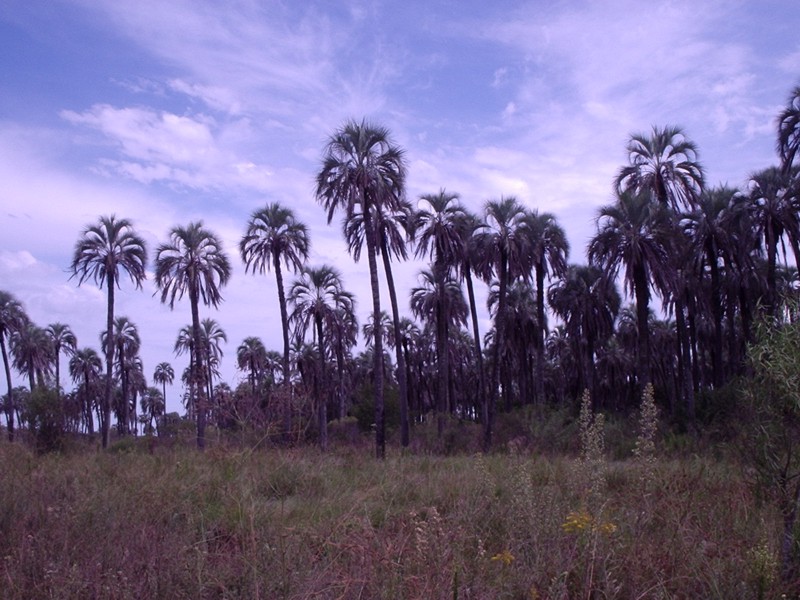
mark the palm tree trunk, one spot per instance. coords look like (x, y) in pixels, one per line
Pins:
(380, 423)
(10, 407)
(476, 334)
(441, 363)
(110, 347)
(498, 340)
(197, 374)
(322, 396)
(401, 362)
(540, 328)
(287, 409)
(642, 293)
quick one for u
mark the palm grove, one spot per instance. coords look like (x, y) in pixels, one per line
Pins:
(718, 259)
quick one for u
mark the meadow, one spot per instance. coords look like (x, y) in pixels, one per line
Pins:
(587, 520)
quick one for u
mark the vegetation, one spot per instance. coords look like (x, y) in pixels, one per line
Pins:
(562, 503)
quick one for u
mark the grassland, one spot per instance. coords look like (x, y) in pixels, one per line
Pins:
(149, 521)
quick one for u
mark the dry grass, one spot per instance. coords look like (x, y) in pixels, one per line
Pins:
(299, 524)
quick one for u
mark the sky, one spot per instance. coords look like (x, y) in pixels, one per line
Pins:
(169, 112)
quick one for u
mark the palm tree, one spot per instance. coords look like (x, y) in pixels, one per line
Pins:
(774, 220)
(127, 343)
(153, 405)
(502, 248)
(711, 242)
(12, 319)
(32, 354)
(363, 169)
(62, 338)
(439, 236)
(440, 301)
(251, 355)
(85, 367)
(635, 234)
(101, 253)
(395, 227)
(665, 164)
(316, 296)
(588, 302)
(789, 131)
(164, 375)
(273, 236)
(549, 251)
(212, 335)
(193, 262)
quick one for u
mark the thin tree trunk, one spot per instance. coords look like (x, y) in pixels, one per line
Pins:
(498, 340)
(10, 409)
(642, 293)
(540, 328)
(110, 347)
(476, 335)
(197, 374)
(380, 422)
(322, 396)
(401, 362)
(287, 408)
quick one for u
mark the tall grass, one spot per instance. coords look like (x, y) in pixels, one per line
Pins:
(300, 524)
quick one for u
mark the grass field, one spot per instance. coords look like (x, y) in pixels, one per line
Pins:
(148, 521)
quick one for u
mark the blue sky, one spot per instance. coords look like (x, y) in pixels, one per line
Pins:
(169, 112)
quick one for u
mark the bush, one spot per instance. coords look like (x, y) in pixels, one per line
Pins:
(46, 420)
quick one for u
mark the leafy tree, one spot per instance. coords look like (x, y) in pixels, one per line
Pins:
(362, 169)
(103, 251)
(193, 262)
(12, 319)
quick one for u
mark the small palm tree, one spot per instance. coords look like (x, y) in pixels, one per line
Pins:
(62, 338)
(362, 169)
(12, 319)
(193, 262)
(251, 356)
(127, 343)
(275, 236)
(164, 375)
(103, 251)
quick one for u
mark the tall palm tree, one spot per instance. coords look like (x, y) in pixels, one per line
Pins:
(62, 338)
(439, 236)
(394, 224)
(12, 319)
(127, 343)
(103, 251)
(32, 354)
(665, 164)
(362, 168)
(164, 375)
(711, 242)
(274, 235)
(193, 262)
(85, 367)
(635, 234)
(549, 251)
(502, 248)
(316, 296)
(789, 131)
(251, 356)
(588, 302)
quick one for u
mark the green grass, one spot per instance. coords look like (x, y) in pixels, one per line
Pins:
(300, 524)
